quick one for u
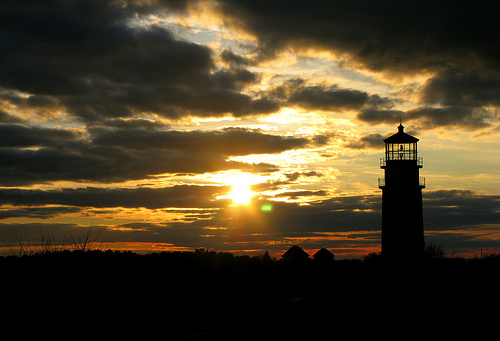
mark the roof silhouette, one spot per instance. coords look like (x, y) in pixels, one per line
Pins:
(401, 137)
(323, 255)
(295, 254)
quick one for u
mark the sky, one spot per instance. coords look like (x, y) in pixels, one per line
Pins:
(245, 126)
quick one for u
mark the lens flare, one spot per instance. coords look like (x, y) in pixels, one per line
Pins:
(267, 207)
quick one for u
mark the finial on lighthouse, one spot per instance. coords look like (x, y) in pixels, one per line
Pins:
(401, 128)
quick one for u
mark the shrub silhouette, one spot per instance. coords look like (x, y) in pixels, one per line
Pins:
(219, 295)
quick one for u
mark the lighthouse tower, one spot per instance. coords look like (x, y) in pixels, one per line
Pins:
(402, 217)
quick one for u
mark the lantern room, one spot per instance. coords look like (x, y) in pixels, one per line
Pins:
(401, 147)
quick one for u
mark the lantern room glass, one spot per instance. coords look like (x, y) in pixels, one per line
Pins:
(401, 151)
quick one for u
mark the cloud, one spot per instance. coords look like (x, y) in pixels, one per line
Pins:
(431, 117)
(458, 89)
(227, 142)
(462, 117)
(99, 60)
(413, 36)
(111, 73)
(454, 45)
(15, 135)
(136, 149)
(332, 98)
(25, 167)
(8, 118)
(12, 233)
(290, 178)
(444, 209)
(374, 140)
(340, 214)
(449, 194)
(325, 97)
(235, 78)
(456, 209)
(297, 194)
(131, 123)
(352, 222)
(87, 58)
(152, 198)
(36, 212)
(453, 218)
(378, 116)
(232, 58)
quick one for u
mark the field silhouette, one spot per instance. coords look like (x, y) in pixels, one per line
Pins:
(217, 295)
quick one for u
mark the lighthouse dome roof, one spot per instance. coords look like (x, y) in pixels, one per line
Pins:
(401, 137)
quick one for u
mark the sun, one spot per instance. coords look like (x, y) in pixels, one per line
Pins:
(241, 194)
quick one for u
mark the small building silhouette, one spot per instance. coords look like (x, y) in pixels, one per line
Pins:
(323, 256)
(295, 255)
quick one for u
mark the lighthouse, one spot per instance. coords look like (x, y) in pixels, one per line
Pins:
(402, 216)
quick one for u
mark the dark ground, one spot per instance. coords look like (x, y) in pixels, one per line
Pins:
(208, 295)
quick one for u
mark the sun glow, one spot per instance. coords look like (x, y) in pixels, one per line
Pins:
(241, 193)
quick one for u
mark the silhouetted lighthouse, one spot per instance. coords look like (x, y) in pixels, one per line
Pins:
(402, 217)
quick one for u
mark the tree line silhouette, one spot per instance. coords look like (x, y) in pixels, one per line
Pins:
(206, 294)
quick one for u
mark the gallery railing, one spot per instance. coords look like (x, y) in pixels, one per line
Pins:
(419, 160)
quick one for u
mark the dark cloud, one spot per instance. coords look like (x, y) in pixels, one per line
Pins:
(132, 124)
(152, 198)
(431, 117)
(341, 214)
(290, 178)
(19, 167)
(297, 194)
(449, 194)
(375, 141)
(296, 175)
(462, 117)
(176, 5)
(8, 118)
(125, 153)
(326, 97)
(457, 213)
(13, 233)
(95, 61)
(36, 212)
(457, 44)
(85, 57)
(31, 101)
(351, 222)
(332, 98)
(456, 209)
(235, 78)
(454, 218)
(15, 135)
(50, 45)
(459, 89)
(228, 142)
(377, 116)
(411, 36)
(444, 209)
(232, 58)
